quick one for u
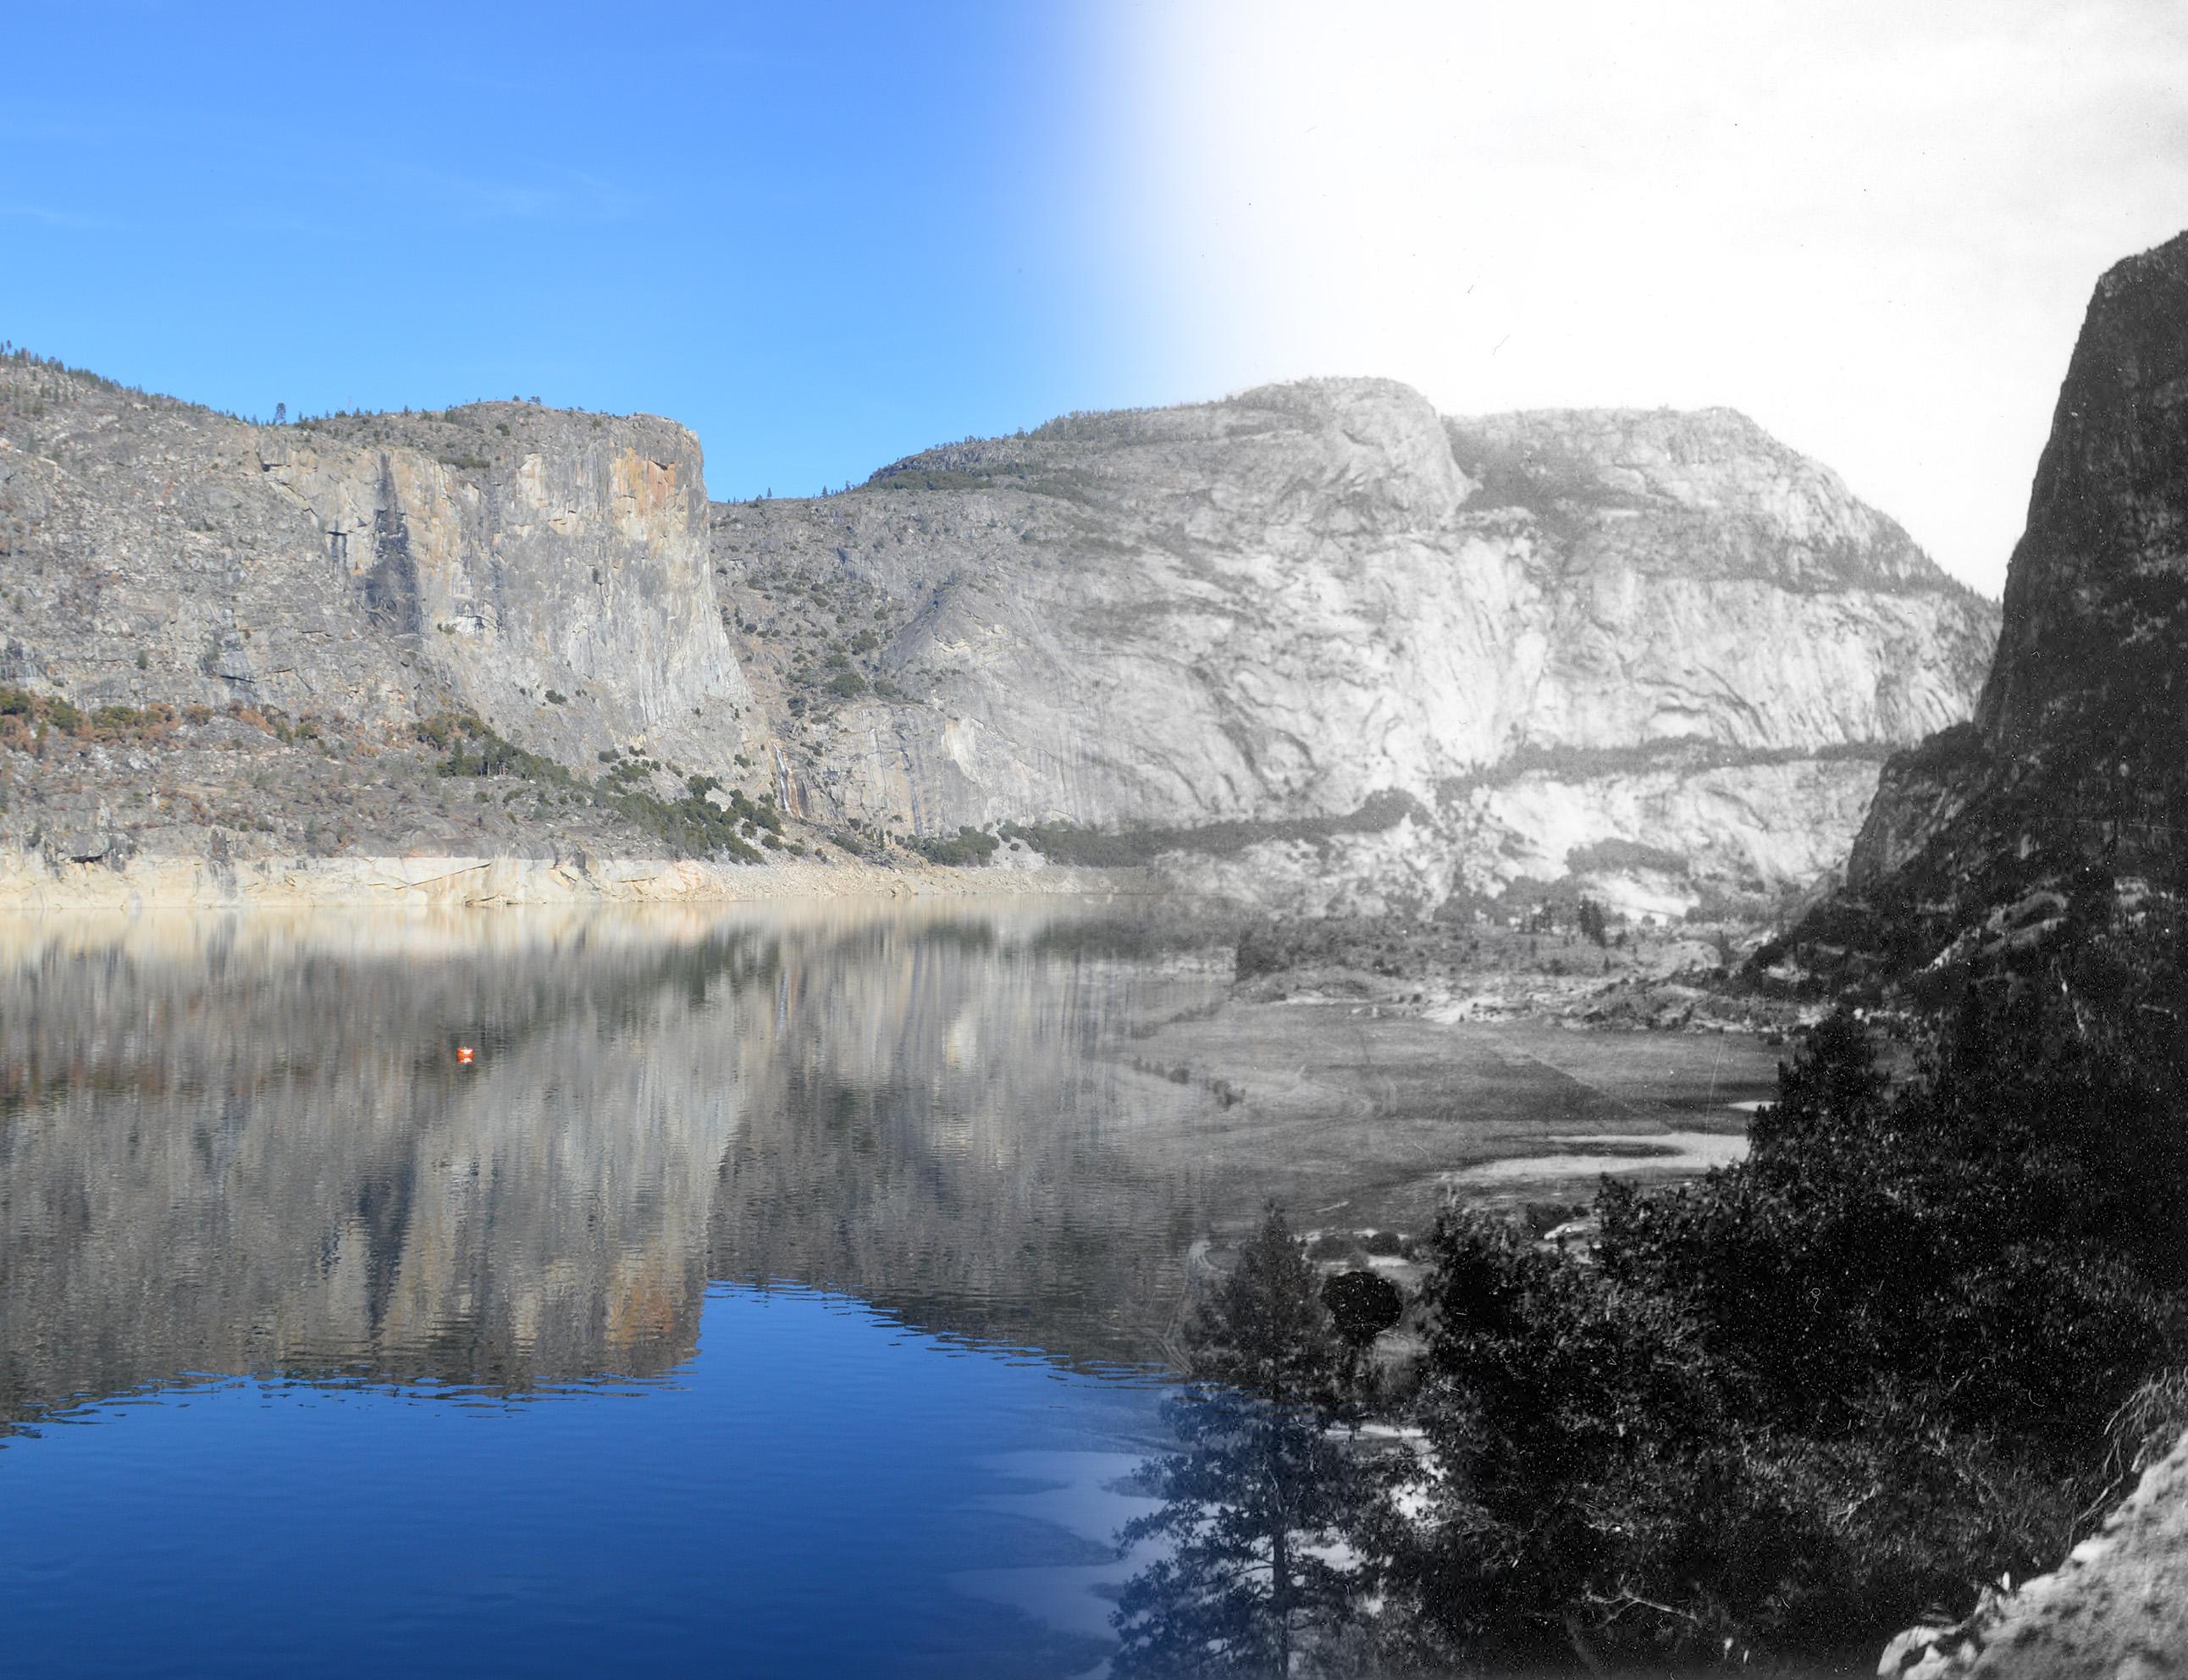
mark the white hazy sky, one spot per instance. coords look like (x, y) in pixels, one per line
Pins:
(1872, 227)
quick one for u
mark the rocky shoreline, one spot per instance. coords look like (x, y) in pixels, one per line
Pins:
(34, 881)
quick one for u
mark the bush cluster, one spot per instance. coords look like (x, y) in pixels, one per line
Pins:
(695, 826)
(26, 718)
(968, 849)
(690, 825)
(1916, 1341)
(473, 748)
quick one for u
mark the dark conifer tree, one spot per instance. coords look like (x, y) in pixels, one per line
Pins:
(1258, 1507)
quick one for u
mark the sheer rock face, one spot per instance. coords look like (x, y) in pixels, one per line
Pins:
(377, 568)
(1284, 604)
(1709, 584)
(2105, 556)
(2080, 739)
(1918, 795)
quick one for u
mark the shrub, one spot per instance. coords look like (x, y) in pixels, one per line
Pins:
(444, 727)
(1263, 948)
(2005, 1233)
(1613, 855)
(1065, 842)
(1613, 1487)
(1362, 1305)
(694, 825)
(969, 849)
(491, 756)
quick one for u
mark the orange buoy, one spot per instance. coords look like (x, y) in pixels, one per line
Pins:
(463, 1056)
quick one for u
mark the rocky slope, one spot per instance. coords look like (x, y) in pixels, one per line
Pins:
(2115, 1608)
(1655, 653)
(2077, 749)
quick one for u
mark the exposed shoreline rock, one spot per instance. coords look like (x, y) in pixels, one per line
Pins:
(34, 881)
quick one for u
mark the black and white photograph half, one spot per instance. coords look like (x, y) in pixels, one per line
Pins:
(1112, 840)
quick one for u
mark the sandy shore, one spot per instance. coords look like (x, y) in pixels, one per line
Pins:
(31, 881)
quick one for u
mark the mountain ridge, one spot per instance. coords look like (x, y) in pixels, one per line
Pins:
(1303, 594)
(1274, 608)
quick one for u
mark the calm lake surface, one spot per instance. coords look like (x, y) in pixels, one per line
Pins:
(771, 1293)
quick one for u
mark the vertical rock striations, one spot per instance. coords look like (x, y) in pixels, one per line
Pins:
(546, 571)
(573, 564)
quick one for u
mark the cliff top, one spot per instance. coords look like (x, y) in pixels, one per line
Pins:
(1742, 502)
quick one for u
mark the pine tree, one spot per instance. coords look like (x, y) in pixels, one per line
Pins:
(1257, 1506)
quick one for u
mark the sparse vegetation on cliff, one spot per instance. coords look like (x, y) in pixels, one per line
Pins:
(968, 849)
(696, 826)
(474, 749)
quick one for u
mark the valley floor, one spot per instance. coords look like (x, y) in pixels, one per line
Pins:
(1648, 975)
(1366, 1117)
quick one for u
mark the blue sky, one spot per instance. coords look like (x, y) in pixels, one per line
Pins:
(825, 235)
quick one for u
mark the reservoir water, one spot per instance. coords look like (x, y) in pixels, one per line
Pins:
(766, 1292)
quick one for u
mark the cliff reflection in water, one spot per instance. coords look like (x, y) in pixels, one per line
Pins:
(242, 1143)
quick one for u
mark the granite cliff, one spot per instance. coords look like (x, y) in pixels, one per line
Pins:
(2075, 758)
(375, 569)
(1315, 646)
(1318, 642)
(250, 631)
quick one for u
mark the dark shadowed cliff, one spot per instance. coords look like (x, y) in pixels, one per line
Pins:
(2077, 757)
